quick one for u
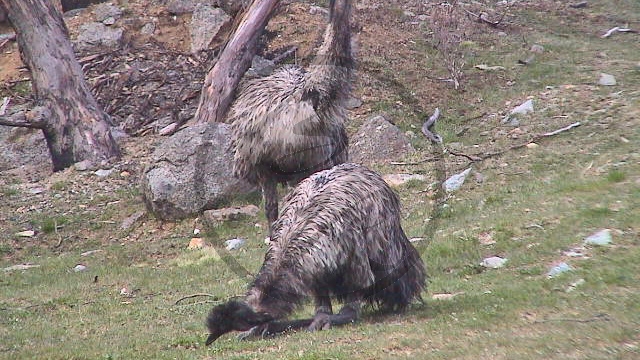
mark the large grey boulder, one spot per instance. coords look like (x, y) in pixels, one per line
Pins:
(98, 34)
(192, 172)
(378, 141)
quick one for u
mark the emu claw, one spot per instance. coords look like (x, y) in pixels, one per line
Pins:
(320, 322)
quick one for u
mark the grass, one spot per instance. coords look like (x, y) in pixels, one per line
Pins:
(537, 203)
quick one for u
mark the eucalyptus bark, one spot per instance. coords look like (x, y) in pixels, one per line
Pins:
(74, 125)
(220, 83)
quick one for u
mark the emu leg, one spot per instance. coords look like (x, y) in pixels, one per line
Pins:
(270, 195)
(323, 305)
(348, 314)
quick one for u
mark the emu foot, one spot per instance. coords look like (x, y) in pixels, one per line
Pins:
(321, 321)
(258, 331)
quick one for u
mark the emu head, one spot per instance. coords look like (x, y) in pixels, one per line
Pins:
(234, 315)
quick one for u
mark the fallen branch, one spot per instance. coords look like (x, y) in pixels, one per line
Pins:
(482, 18)
(34, 119)
(599, 317)
(285, 54)
(428, 126)
(194, 296)
(480, 157)
(617, 29)
(5, 38)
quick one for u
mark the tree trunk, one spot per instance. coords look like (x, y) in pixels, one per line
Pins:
(220, 84)
(74, 125)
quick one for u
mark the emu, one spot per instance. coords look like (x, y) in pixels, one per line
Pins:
(338, 237)
(290, 124)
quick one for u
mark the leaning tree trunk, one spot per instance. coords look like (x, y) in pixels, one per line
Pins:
(220, 84)
(74, 125)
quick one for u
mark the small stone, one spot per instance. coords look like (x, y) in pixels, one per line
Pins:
(79, 268)
(607, 80)
(26, 233)
(36, 191)
(353, 103)
(132, 219)
(234, 244)
(486, 238)
(455, 182)
(601, 238)
(83, 165)
(125, 174)
(493, 262)
(532, 145)
(196, 243)
(401, 179)
(575, 284)
(416, 239)
(103, 172)
(196, 231)
(148, 29)
(559, 269)
(445, 296)
(538, 49)
(109, 21)
(524, 108)
(168, 130)
(423, 17)
(234, 213)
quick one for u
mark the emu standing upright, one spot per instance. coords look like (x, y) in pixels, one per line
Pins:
(290, 124)
(338, 236)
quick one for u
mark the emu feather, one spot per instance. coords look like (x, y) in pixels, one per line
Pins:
(338, 237)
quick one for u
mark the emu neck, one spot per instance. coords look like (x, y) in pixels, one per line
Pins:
(336, 47)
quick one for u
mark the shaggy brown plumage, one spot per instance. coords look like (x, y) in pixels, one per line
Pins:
(290, 124)
(338, 236)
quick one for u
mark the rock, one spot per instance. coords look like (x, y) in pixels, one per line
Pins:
(446, 296)
(378, 141)
(559, 269)
(234, 213)
(26, 233)
(353, 103)
(83, 165)
(538, 49)
(493, 262)
(601, 238)
(196, 243)
(260, 67)
(191, 172)
(206, 23)
(132, 219)
(234, 244)
(20, 267)
(79, 268)
(232, 7)
(607, 80)
(98, 34)
(524, 108)
(314, 9)
(148, 28)
(455, 182)
(179, 7)
(103, 172)
(575, 284)
(401, 179)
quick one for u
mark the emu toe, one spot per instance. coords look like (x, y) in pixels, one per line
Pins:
(321, 321)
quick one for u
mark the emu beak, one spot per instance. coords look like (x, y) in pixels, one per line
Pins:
(212, 338)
